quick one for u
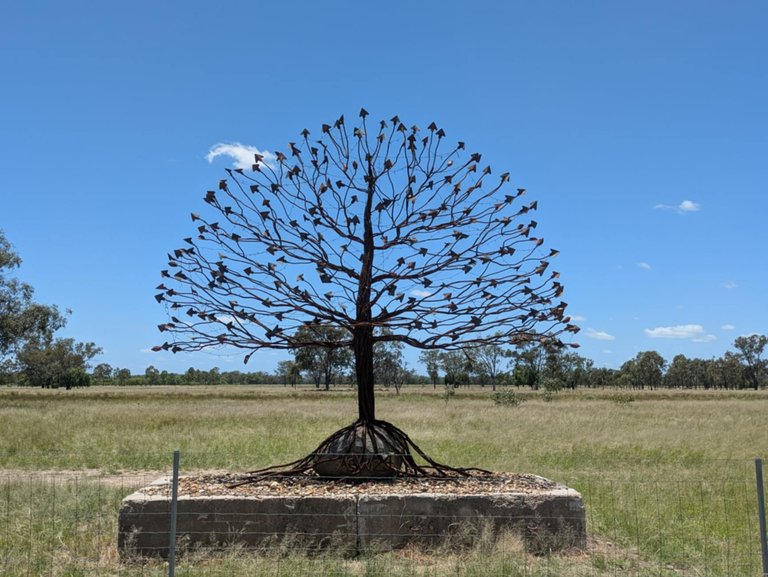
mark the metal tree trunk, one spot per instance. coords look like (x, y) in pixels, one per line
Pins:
(362, 335)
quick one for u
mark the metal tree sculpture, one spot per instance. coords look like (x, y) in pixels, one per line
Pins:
(378, 226)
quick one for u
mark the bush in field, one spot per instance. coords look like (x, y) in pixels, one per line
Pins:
(507, 398)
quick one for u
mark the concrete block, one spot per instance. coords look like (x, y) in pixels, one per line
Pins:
(267, 522)
(550, 520)
(547, 520)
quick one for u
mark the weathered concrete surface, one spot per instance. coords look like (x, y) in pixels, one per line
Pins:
(548, 520)
(349, 524)
(302, 522)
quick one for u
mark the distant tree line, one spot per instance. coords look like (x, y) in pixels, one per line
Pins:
(31, 355)
(542, 366)
(535, 366)
(105, 374)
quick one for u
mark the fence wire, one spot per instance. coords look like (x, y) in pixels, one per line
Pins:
(65, 523)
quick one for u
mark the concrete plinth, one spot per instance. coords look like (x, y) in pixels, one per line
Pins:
(301, 522)
(350, 524)
(551, 520)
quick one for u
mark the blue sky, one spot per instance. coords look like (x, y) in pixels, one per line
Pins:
(641, 128)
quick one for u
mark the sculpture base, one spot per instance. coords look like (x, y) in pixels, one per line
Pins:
(352, 521)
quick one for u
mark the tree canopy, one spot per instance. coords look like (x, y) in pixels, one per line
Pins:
(59, 363)
(22, 320)
(750, 350)
(366, 227)
(322, 363)
(27, 330)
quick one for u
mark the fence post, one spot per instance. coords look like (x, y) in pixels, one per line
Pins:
(761, 514)
(174, 501)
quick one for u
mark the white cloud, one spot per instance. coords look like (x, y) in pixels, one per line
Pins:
(728, 327)
(676, 332)
(705, 339)
(421, 293)
(599, 335)
(578, 318)
(683, 207)
(241, 154)
(730, 284)
(689, 206)
(644, 265)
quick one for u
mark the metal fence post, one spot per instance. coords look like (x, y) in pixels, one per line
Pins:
(761, 514)
(174, 500)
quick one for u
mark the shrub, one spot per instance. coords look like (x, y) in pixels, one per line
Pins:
(507, 398)
(623, 398)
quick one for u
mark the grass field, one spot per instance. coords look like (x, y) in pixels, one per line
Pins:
(668, 478)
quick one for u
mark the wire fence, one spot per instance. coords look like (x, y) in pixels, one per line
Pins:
(80, 523)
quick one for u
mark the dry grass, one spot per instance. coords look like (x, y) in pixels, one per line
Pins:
(668, 477)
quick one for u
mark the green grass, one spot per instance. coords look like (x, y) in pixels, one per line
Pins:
(668, 477)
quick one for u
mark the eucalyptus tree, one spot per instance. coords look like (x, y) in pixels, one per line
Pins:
(122, 376)
(289, 372)
(457, 367)
(487, 361)
(566, 369)
(102, 373)
(431, 360)
(22, 320)
(645, 370)
(528, 361)
(685, 373)
(364, 227)
(58, 363)
(322, 363)
(151, 375)
(727, 372)
(750, 352)
(27, 329)
(389, 366)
